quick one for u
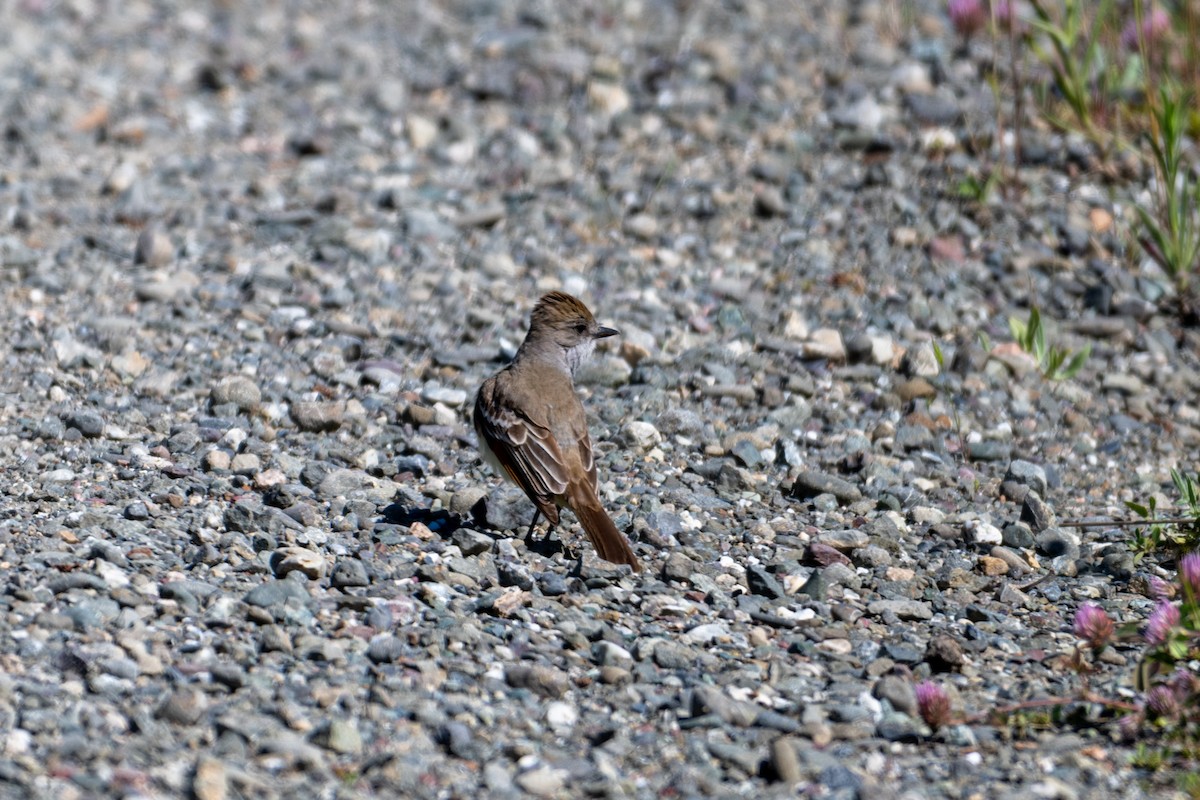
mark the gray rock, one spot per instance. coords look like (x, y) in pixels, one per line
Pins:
(1027, 474)
(237, 390)
(763, 583)
(1037, 513)
(153, 248)
(809, 484)
(471, 543)
(902, 609)
(1058, 542)
(317, 416)
(276, 593)
(89, 423)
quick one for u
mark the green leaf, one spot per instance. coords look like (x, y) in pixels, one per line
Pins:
(1077, 361)
(1177, 648)
(1017, 329)
(1138, 509)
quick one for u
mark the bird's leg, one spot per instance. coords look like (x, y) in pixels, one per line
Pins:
(537, 512)
(568, 551)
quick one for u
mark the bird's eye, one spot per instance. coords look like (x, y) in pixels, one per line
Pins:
(580, 327)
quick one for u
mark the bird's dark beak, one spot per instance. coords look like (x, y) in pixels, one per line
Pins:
(604, 333)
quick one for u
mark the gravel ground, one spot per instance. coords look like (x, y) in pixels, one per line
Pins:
(256, 258)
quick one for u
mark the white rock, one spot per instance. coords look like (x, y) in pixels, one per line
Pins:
(639, 434)
(986, 533)
(882, 350)
(703, 634)
(561, 717)
(422, 132)
(825, 343)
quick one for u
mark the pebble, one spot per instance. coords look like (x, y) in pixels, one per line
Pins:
(810, 484)
(237, 390)
(248, 309)
(640, 435)
(153, 248)
(318, 416)
(1027, 474)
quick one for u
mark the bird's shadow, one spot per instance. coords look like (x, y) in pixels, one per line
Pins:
(444, 522)
(440, 521)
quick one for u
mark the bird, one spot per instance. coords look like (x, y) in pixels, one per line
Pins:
(532, 428)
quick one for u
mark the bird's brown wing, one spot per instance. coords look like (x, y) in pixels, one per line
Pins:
(587, 459)
(525, 448)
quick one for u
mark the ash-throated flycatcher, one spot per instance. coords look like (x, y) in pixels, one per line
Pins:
(532, 428)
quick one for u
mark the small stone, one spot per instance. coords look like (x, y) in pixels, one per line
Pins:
(816, 587)
(920, 361)
(769, 202)
(89, 423)
(1037, 513)
(276, 593)
(237, 390)
(209, 780)
(785, 761)
(307, 562)
(641, 226)
(1057, 542)
(810, 483)
(615, 676)
(552, 584)
(640, 435)
(471, 542)
(183, 706)
(607, 98)
(825, 343)
(763, 583)
(608, 654)
(947, 248)
(342, 482)
(611, 371)
(984, 533)
(823, 555)
(130, 364)
(679, 422)
(672, 655)
(546, 681)
(915, 389)
(344, 737)
(678, 567)
(445, 395)
(247, 464)
(386, 649)
(153, 248)
(903, 609)
(422, 131)
(217, 461)
(137, 510)
(1027, 474)
(543, 781)
(1018, 535)
(944, 654)
(561, 717)
(745, 452)
(318, 417)
(898, 691)
(1016, 564)
(993, 566)
(425, 224)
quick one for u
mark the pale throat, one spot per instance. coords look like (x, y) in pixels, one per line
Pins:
(578, 354)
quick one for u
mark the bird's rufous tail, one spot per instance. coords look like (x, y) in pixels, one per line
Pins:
(610, 543)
